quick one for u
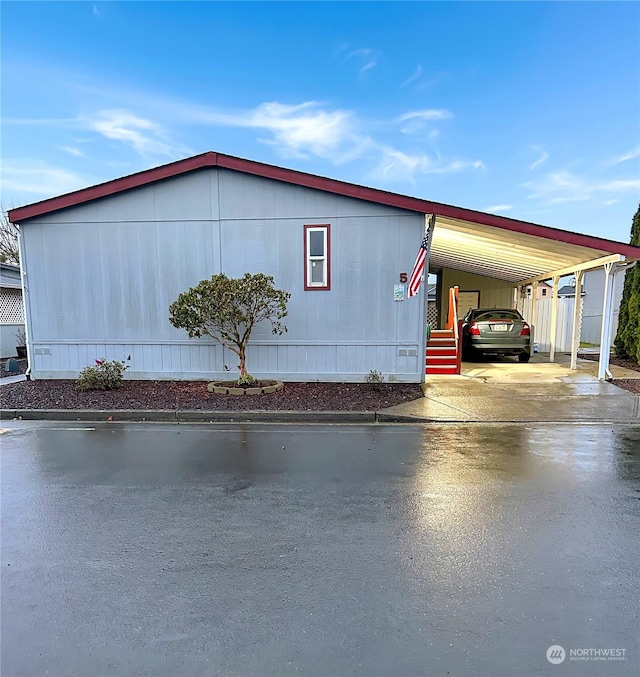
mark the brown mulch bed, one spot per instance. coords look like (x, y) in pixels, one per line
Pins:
(630, 384)
(191, 395)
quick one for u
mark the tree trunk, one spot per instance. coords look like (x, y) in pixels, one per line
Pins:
(241, 366)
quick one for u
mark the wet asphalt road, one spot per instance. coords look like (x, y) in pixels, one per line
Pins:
(318, 550)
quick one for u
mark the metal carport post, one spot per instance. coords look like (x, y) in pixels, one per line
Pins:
(577, 271)
(610, 271)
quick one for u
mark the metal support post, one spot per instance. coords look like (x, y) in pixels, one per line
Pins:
(577, 319)
(610, 272)
(554, 319)
(532, 319)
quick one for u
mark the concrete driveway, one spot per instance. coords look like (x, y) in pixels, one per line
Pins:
(507, 391)
(132, 549)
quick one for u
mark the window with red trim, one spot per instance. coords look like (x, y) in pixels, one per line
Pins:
(317, 260)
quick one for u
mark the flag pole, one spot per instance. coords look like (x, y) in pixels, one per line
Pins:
(421, 266)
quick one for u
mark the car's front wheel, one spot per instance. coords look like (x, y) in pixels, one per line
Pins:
(524, 357)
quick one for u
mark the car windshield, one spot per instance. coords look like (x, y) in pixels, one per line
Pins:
(498, 315)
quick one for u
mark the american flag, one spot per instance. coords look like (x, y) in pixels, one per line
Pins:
(423, 254)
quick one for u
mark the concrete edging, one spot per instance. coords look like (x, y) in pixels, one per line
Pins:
(218, 388)
(188, 416)
(196, 416)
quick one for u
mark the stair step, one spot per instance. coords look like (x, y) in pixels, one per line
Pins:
(441, 369)
(441, 332)
(441, 354)
(444, 359)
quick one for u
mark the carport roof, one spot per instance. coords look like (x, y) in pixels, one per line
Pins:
(464, 239)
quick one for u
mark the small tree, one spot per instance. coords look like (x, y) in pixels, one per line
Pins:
(227, 309)
(8, 240)
(627, 341)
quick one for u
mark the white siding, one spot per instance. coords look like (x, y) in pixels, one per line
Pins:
(102, 276)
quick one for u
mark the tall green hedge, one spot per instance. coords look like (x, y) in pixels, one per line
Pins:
(627, 341)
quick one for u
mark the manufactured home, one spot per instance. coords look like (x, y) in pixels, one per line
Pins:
(101, 266)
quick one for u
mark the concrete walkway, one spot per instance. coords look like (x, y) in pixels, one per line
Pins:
(509, 391)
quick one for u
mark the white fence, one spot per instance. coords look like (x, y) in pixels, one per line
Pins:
(542, 323)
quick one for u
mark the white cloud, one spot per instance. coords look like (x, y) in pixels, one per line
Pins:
(298, 129)
(427, 114)
(414, 122)
(563, 186)
(396, 165)
(416, 79)
(365, 56)
(559, 186)
(42, 122)
(416, 75)
(72, 150)
(544, 156)
(145, 136)
(38, 179)
(632, 154)
(311, 129)
(619, 185)
(498, 208)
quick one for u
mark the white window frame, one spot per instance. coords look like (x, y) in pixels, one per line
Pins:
(311, 261)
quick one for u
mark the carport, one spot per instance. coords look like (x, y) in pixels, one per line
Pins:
(525, 254)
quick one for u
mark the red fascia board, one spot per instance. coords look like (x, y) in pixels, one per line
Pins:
(291, 176)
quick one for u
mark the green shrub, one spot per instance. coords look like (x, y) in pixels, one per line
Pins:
(246, 380)
(106, 375)
(375, 378)
(627, 340)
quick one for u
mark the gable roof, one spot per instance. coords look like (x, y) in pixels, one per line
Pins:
(464, 239)
(568, 290)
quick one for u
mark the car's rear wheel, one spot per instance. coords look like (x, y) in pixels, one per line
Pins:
(524, 357)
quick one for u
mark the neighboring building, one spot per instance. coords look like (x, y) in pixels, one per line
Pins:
(569, 291)
(544, 290)
(11, 311)
(103, 265)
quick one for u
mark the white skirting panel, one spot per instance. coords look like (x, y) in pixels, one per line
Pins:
(199, 360)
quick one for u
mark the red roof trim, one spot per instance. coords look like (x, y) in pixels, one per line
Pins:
(320, 183)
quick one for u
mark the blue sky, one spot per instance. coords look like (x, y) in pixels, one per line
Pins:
(530, 110)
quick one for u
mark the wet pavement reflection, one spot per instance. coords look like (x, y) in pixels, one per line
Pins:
(463, 549)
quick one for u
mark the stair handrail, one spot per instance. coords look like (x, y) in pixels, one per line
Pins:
(456, 325)
(452, 313)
